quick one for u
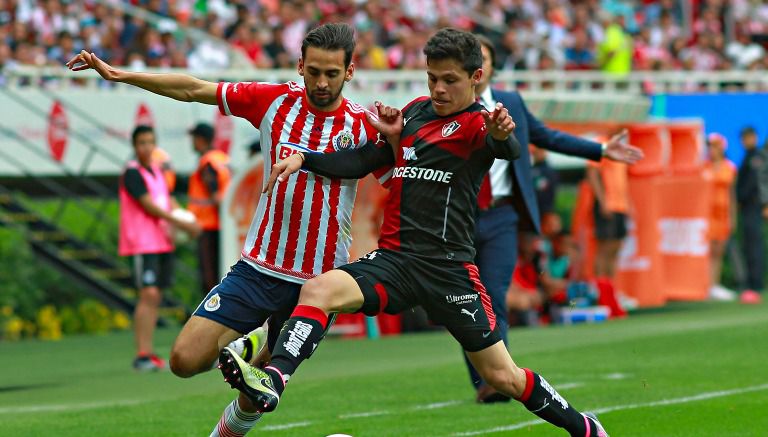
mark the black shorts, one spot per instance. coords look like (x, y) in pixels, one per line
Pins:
(449, 291)
(153, 270)
(611, 228)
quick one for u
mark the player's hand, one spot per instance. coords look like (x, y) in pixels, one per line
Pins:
(617, 149)
(765, 213)
(86, 60)
(389, 122)
(282, 170)
(605, 212)
(499, 123)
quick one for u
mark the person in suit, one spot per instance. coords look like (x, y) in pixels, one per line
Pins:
(507, 201)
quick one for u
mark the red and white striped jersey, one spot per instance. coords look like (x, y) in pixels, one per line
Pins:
(304, 228)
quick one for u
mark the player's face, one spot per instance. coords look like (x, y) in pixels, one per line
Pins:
(144, 146)
(450, 87)
(487, 68)
(324, 76)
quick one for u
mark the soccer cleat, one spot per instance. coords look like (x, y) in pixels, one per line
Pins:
(145, 364)
(250, 380)
(750, 297)
(600, 430)
(249, 345)
(159, 363)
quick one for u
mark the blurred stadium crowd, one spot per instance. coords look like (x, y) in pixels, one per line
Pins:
(612, 35)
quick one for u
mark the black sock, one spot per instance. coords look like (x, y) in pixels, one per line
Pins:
(542, 399)
(298, 339)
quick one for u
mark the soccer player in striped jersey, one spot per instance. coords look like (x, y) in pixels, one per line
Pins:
(447, 143)
(296, 234)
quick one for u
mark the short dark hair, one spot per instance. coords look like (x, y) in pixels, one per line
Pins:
(461, 46)
(331, 36)
(488, 44)
(141, 129)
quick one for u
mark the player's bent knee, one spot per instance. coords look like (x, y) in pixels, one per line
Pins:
(317, 292)
(186, 362)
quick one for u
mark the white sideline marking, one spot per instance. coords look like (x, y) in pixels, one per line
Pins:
(568, 385)
(436, 405)
(616, 376)
(68, 407)
(285, 426)
(366, 414)
(683, 400)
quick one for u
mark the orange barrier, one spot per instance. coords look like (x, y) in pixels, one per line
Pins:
(683, 242)
(687, 152)
(666, 253)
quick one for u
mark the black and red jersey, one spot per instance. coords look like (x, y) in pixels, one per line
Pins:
(435, 181)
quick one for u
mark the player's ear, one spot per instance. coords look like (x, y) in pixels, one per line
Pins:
(350, 72)
(301, 66)
(476, 76)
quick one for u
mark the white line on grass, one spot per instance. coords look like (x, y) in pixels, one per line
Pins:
(683, 400)
(68, 407)
(285, 426)
(366, 414)
(436, 405)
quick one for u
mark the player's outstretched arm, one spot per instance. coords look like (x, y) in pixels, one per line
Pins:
(499, 135)
(176, 86)
(346, 164)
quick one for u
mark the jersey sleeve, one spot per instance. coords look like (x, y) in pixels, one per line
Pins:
(134, 183)
(384, 173)
(249, 100)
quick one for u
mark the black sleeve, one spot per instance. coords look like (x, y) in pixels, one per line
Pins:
(351, 164)
(210, 179)
(508, 149)
(134, 183)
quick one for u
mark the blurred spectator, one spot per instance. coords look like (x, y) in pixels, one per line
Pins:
(532, 35)
(615, 51)
(752, 195)
(523, 295)
(722, 173)
(743, 52)
(544, 179)
(609, 183)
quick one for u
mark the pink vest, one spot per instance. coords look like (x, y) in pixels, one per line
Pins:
(141, 232)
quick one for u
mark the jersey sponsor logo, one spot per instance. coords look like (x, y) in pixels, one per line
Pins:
(470, 313)
(213, 303)
(426, 174)
(409, 153)
(450, 128)
(286, 149)
(343, 140)
(461, 299)
(296, 337)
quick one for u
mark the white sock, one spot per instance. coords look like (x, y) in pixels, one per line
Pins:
(235, 422)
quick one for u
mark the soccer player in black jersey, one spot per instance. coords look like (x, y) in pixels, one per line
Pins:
(440, 147)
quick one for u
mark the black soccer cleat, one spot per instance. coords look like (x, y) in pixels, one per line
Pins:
(253, 382)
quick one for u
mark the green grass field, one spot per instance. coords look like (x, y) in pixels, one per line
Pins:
(686, 370)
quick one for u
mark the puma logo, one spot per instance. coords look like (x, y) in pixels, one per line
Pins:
(470, 314)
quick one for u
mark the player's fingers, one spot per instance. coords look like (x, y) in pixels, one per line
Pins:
(486, 116)
(272, 180)
(497, 111)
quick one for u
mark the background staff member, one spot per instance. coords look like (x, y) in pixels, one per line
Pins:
(207, 186)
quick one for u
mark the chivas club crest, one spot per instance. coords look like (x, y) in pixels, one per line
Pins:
(343, 140)
(450, 128)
